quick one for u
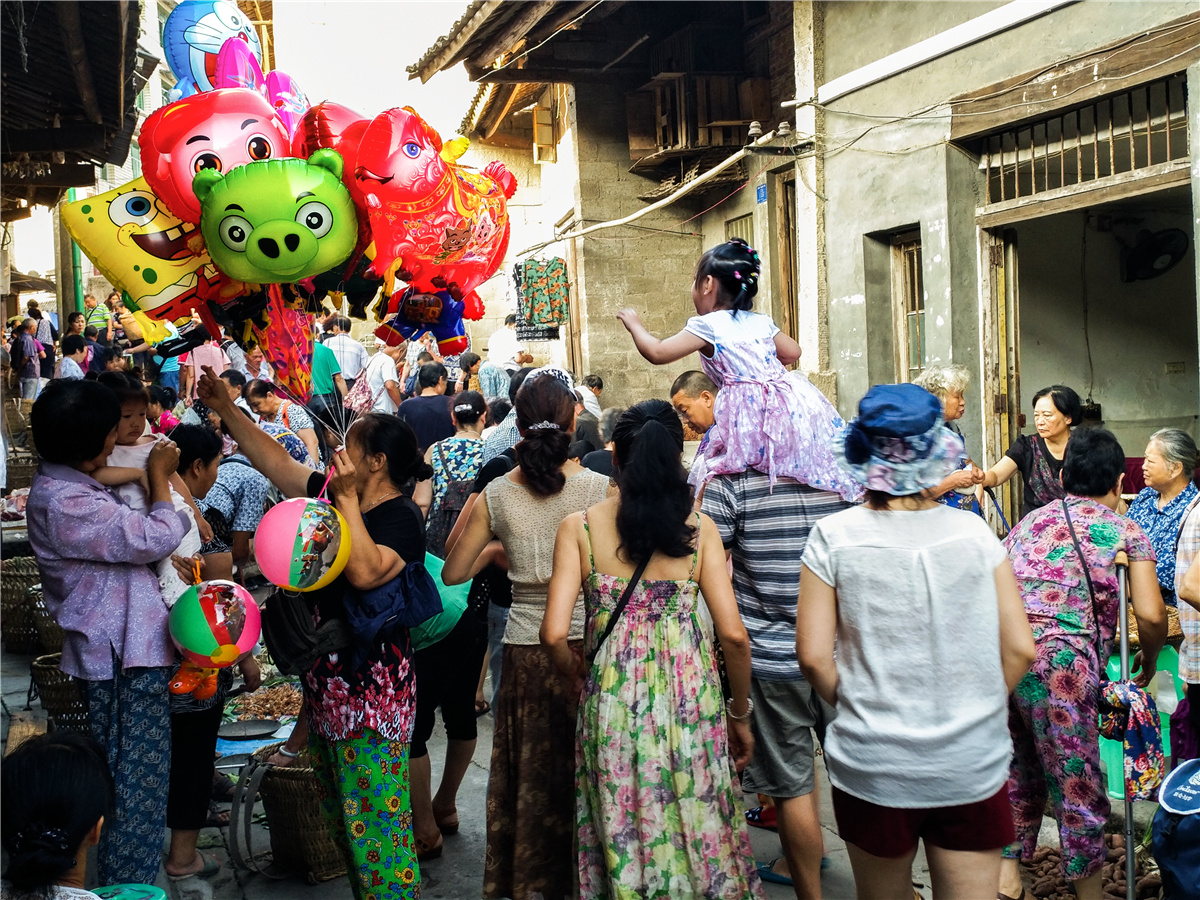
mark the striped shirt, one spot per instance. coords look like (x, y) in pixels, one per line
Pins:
(766, 532)
(1186, 552)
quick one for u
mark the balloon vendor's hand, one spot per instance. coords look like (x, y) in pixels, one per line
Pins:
(629, 318)
(163, 460)
(343, 483)
(211, 391)
(185, 567)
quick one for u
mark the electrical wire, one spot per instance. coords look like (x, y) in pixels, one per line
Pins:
(555, 34)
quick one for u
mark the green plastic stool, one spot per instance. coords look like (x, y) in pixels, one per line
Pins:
(130, 892)
(1112, 752)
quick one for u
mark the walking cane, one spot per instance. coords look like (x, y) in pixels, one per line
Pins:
(1122, 562)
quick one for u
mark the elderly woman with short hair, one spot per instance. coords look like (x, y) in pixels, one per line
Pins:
(949, 384)
(1168, 467)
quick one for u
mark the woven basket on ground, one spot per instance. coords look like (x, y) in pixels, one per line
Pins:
(61, 697)
(17, 576)
(50, 633)
(300, 838)
(20, 473)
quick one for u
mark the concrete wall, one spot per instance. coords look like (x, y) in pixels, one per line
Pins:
(888, 165)
(626, 267)
(1135, 329)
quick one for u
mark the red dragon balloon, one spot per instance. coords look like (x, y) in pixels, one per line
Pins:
(431, 218)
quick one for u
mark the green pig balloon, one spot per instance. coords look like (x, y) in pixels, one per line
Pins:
(278, 220)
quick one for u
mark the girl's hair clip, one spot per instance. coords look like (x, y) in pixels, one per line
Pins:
(737, 275)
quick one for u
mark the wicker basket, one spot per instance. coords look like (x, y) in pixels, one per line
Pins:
(50, 633)
(1174, 631)
(61, 697)
(300, 838)
(17, 576)
(20, 473)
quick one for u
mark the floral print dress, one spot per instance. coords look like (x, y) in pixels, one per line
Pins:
(1053, 713)
(656, 795)
(765, 417)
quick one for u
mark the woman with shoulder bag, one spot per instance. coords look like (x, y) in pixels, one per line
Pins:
(360, 715)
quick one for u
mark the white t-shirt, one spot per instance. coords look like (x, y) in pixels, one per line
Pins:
(69, 369)
(922, 708)
(57, 892)
(351, 355)
(380, 370)
(503, 346)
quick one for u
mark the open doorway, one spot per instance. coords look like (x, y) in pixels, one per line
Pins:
(1105, 302)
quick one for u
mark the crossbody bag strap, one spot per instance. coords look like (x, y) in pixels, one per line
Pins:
(619, 608)
(1091, 588)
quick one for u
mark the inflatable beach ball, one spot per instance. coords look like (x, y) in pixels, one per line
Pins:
(302, 544)
(214, 623)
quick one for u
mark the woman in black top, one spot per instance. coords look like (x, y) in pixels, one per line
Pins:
(1038, 457)
(359, 702)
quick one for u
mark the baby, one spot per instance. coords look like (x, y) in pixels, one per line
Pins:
(126, 473)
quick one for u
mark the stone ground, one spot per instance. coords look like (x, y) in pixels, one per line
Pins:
(458, 874)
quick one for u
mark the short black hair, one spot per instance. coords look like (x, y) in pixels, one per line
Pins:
(510, 319)
(514, 383)
(72, 344)
(424, 357)
(468, 359)
(195, 442)
(430, 375)
(1065, 400)
(90, 332)
(234, 377)
(72, 420)
(595, 382)
(1092, 462)
(693, 384)
(163, 395)
(125, 387)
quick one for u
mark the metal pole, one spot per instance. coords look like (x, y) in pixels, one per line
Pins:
(1123, 623)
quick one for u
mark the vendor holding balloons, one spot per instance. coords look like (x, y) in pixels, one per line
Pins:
(360, 700)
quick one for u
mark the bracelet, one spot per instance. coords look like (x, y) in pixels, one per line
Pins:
(746, 715)
(284, 751)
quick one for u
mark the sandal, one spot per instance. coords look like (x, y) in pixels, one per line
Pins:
(217, 817)
(1021, 896)
(449, 827)
(482, 708)
(222, 787)
(427, 851)
(766, 872)
(210, 867)
(762, 817)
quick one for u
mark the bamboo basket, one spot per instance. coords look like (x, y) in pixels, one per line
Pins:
(50, 633)
(61, 696)
(17, 627)
(300, 838)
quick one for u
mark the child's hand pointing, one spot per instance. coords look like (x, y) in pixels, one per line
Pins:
(630, 319)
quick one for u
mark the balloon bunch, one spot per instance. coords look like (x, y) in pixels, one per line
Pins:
(254, 207)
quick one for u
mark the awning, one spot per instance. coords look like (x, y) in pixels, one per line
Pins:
(20, 283)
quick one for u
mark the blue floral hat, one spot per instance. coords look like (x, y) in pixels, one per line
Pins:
(898, 443)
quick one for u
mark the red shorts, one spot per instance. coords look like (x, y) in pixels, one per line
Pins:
(892, 833)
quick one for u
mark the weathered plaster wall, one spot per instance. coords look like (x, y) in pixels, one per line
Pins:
(1135, 329)
(886, 170)
(622, 267)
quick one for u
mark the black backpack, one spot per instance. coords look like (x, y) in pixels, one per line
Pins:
(441, 521)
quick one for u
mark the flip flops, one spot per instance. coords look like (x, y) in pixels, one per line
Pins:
(762, 817)
(482, 708)
(211, 867)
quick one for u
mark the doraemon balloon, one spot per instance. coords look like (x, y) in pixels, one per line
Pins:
(192, 37)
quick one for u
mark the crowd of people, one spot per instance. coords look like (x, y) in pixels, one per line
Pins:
(660, 633)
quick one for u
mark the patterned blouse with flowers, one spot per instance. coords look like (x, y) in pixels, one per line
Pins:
(1051, 579)
(380, 695)
(454, 459)
(1162, 527)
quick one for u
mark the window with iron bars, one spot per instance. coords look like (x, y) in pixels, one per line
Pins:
(1121, 133)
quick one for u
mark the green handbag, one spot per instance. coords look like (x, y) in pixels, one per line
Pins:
(454, 604)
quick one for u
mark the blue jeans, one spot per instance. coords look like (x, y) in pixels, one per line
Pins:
(29, 388)
(497, 620)
(170, 379)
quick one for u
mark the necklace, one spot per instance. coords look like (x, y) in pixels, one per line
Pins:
(379, 500)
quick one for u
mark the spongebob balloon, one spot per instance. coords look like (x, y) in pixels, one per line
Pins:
(279, 220)
(142, 248)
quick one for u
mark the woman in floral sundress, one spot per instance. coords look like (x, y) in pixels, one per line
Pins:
(656, 752)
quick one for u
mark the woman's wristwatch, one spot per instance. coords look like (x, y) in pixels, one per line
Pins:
(745, 715)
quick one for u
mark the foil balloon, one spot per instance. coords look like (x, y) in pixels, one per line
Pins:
(193, 36)
(285, 335)
(439, 313)
(217, 130)
(280, 220)
(238, 67)
(302, 544)
(141, 248)
(286, 97)
(431, 218)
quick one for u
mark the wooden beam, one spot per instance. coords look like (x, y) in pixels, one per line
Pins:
(552, 23)
(506, 39)
(442, 58)
(16, 214)
(56, 176)
(557, 75)
(1117, 67)
(79, 137)
(1086, 195)
(72, 34)
(508, 141)
(497, 109)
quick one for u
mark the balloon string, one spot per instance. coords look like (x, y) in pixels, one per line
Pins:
(328, 478)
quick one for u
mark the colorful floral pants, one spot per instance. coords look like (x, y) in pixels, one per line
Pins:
(1052, 716)
(365, 798)
(131, 721)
